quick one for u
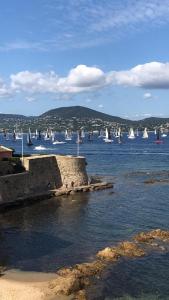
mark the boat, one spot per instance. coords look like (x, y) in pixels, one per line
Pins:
(56, 142)
(35, 135)
(137, 132)
(131, 134)
(82, 134)
(18, 136)
(108, 137)
(52, 136)
(14, 135)
(47, 136)
(39, 135)
(68, 135)
(79, 137)
(145, 134)
(163, 134)
(158, 141)
(29, 141)
(101, 134)
(40, 148)
(90, 136)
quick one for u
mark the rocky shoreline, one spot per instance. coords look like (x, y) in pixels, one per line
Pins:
(75, 280)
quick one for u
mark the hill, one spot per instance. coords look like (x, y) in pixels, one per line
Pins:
(81, 112)
(75, 117)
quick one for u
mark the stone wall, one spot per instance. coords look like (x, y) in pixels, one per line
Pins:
(72, 170)
(13, 187)
(43, 173)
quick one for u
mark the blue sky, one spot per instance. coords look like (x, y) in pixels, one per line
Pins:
(112, 56)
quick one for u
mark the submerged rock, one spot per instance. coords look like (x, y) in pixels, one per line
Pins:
(148, 237)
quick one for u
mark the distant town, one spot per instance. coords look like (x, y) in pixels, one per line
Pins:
(74, 118)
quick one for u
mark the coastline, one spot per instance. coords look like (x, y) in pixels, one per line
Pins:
(20, 285)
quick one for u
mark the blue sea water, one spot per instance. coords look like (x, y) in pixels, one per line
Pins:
(56, 233)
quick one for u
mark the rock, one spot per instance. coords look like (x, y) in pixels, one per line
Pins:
(130, 249)
(71, 280)
(143, 237)
(148, 237)
(90, 269)
(109, 254)
(80, 295)
(65, 285)
(161, 234)
(123, 249)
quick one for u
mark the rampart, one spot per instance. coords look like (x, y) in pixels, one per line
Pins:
(42, 174)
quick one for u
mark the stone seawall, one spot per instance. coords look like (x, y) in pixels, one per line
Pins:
(73, 171)
(43, 173)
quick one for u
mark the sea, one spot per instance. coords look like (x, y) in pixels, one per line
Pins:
(61, 232)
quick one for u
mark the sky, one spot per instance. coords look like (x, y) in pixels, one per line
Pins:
(109, 55)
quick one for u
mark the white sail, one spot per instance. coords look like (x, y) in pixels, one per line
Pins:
(52, 136)
(83, 133)
(145, 134)
(108, 137)
(47, 136)
(68, 135)
(107, 134)
(131, 134)
(137, 132)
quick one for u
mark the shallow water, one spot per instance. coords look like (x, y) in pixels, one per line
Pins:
(56, 233)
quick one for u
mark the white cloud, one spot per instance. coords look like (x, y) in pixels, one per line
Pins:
(4, 90)
(153, 75)
(147, 95)
(100, 106)
(81, 79)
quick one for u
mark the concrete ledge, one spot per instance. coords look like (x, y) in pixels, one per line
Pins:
(83, 188)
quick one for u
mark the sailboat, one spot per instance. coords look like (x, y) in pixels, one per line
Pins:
(108, 137)
(14, 135)
(29, 141)
(39, 135)
(131, 134)
(79, 137)
(90, 136)
(47, 136)
(101, 133)
(137, 132)
(52, 136)
(158, 141)
(82, 134)
(68, 135)
(163, 134)
(145, 134)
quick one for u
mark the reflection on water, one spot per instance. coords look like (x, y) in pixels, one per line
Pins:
(64, 231)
